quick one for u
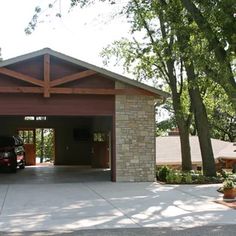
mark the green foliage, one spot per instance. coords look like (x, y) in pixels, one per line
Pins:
(187, 178)
(172, 176)
(233, 177)
(163, 127)
(41, 13)
(220, 16)
(221, 113)
(216, 21)
(0, 54)
(228, 184)
(85, 3)
(225, 174)
(45, 149)
(34, 21)
(178, 177)
(162, 173)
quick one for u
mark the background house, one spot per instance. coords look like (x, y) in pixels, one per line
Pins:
(168, 151)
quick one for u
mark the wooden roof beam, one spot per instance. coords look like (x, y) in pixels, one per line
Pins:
(82, 91)
(21, 76)
(46, 75)
(73, 77)
(21, 89)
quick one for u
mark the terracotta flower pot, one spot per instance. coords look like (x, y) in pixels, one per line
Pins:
(229, 194)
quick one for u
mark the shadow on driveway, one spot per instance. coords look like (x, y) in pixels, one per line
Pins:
(55, 174)
(218, 230)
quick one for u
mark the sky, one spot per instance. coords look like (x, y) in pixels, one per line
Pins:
(80, 33)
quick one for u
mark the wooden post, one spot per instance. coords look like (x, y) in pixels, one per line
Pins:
(46, 77)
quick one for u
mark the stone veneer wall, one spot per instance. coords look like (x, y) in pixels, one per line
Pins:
(135, 139)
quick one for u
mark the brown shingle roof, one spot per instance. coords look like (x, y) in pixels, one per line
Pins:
(168, 150)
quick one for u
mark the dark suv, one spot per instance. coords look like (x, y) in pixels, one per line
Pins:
(12, 153)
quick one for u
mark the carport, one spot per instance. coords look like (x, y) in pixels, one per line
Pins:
(100, 118)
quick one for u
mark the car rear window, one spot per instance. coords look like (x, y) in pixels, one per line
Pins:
(6, 141)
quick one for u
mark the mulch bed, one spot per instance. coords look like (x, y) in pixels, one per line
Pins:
(228, 204)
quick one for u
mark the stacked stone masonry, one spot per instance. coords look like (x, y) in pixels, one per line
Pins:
(135, 139)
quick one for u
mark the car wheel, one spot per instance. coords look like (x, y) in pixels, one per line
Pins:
(13, 166)
(12, 169)
(22, 166)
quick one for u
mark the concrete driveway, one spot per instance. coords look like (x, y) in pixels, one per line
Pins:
(70, 206)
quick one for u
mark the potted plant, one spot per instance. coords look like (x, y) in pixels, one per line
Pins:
(229, 190)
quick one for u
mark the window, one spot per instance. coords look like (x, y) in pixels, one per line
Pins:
(41, 118)
(99, 137)
(29, 118)
(27, 136)
(35, 118)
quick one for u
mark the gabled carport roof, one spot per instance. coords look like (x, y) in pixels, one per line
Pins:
(75, 61)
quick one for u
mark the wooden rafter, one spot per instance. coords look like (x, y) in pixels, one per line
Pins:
(20, 76)
(46, 75)
(47, 87)
(73, 77)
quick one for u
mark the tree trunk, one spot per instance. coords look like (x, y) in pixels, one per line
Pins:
(202, 124)
(183, 127)
(182, 123)
(199, 110)
(185, 146)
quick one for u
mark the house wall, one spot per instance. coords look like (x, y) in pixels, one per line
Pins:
(135, 141)
(57, 105)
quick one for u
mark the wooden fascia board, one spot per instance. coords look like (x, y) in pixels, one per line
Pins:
(73, 77)
(99, 91)
(21, 76)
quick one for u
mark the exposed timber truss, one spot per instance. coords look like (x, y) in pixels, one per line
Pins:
(48, 86)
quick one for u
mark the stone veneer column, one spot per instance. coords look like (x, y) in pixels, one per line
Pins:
(135, 139)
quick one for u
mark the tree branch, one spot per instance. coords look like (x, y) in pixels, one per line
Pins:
(214, 44)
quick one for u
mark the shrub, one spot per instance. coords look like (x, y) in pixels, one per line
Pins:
(188, 178)
(233, 177)
(170, 177)
(225, 174)
(178, 177)
(201, 179)
(174, 177)
(163, 172)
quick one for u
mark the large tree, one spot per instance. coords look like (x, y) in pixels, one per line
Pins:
(176, 34)
(216, 19)
(185, 30)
